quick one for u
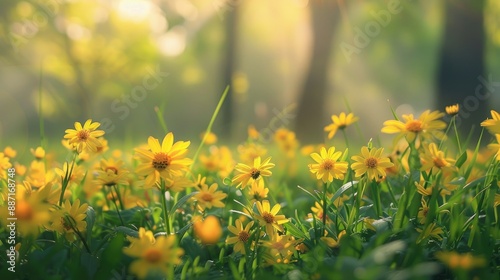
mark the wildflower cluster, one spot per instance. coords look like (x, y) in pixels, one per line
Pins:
(427, 206)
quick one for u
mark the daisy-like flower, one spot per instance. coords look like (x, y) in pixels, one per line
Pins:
(162, 161)
(77, 172)
(452, 109)
(69, 219)
(318, 212)
(209, 230)
(257, 191)
(422, 213)
(111, 173)
(280, 248)
(427, 126)
(371, 163)
(9, 152)
(177, 184)
(242, 234)
(287, 141)
(85, 137)
(465, 261)
(493, 125)
(4, 165)
(32, 210)
(248, 174)
(38, 153)
(330, 241)
(496, 147)
(269, 217)
(434, 160)
(432, 230)
(153, 258)
(208, 197)
(340, 122)
(249, 151)
(327, 167)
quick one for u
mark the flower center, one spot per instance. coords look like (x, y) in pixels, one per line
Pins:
(268, 217)
(24, 211)
(278, 246)
(371, 162)
(152, 255)
(66, 223)
(328, 164)
(342, 125)
(414, 126)
(243, 236)
(255, 173)
(161, 161)
(439, 162)
(207, 197)
(83, 135)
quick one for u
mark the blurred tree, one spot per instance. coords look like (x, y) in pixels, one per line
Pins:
(229, 64)
(310, 122)
(461, 63)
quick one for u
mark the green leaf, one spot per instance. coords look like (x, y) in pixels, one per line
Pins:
(306, 191)
(127, 231)
(90, 219)
(343, 189)
(111, 257)
(461, 160)
(294, 230)
(180, 203)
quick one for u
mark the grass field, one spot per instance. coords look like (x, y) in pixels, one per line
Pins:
(424, 208)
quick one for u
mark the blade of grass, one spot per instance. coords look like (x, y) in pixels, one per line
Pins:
(209, 128)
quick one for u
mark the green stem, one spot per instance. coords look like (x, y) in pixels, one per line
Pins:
(209, 128)
(378, 204)
(325, 185)
(164, 205)
(122, 207)
(66, 179)
(456, 135)
(116, 207)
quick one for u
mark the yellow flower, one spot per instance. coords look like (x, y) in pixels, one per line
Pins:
(318, 212)
(209, 197)
(32, 211)
(286, 140)
(248, 174)
(269, 217)
(327, 167)
(242, 234)
(209, 230)
(493, 125)
(210, 138)
(280, 248)
(77, 172)
(434, 160)
(143, 234)
(9, 152)
(422, 213)
(249, 151)
(497, 200)
(422, 190)
(4, 165)
(331, 242)
(162, 161)
(252, 132)
(369, 223)
(219, 160)
(340, 122)
(496, 147)
(177, 184)
(38, 153)
(427, 126)
(465, 261)
(69, 219)
(153, 258)
(257, 191)
(84, 137)
(432, 230)
(111, 173)
(452, 109)
(371, 163)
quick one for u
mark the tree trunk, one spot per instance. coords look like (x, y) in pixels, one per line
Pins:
(310, 116)
(229, 64)
(461, 66)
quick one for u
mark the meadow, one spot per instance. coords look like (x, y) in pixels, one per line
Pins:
(425, 207)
